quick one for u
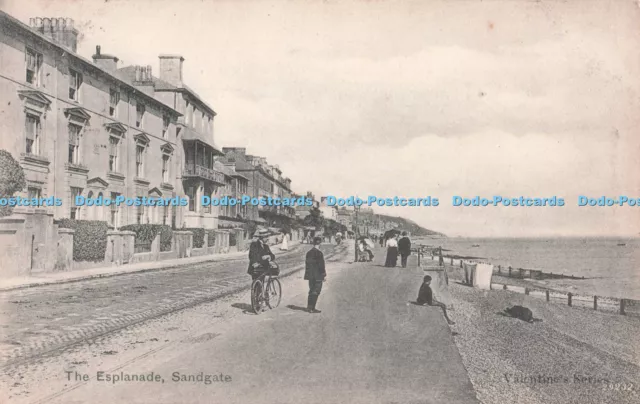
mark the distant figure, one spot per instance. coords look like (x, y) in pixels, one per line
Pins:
(315, 273)
(381, 241)
(404, 248)
(440, 259)
(392, 252)
(285, 243)
(425, 296)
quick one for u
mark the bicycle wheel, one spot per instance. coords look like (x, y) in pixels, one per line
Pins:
(256, 296)
(274, 293)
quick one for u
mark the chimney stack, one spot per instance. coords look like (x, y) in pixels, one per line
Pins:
(59, 30)
(143, 79)
(171, 69)
(241, 151)
(107, 62)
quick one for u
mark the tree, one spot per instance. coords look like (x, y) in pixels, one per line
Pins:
(331, 227)
(314, 218)
(11, 179)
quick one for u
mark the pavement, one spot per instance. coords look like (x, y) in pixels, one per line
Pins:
(369, 345)
(51, 317)
(116, 270)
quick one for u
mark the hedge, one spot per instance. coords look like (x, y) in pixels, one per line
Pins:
(89, 238)
(148, 232)
(198, 236)
(211, 241)
(11, 179)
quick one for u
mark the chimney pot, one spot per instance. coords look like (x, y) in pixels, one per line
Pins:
(59, 30)
(98, 50)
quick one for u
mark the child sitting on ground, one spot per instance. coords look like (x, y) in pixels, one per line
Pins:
(425, 296)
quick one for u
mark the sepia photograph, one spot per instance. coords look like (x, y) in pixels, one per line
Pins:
(337, 201)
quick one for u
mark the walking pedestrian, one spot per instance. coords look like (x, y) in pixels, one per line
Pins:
(285, 243)
(404, 248)
(392, 252)
(315, 273)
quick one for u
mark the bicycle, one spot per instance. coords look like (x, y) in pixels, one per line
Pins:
(266, 290)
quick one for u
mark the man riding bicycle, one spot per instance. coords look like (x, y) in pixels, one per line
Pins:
(260, 254)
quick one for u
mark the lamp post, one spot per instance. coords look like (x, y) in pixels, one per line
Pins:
(356, 209)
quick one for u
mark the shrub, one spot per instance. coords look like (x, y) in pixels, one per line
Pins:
(212, 238)
(148, 232)
(198, 236)
(232, 239)
(89, 238)
(11, 179)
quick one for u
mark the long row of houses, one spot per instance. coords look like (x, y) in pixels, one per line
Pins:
(91, 128)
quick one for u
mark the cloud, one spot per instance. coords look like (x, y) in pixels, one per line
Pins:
(410, 98)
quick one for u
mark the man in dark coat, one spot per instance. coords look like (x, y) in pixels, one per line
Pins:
(259, 254)
(404, 248)
(315, 273)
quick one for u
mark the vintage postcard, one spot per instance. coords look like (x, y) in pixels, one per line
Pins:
(349, 201)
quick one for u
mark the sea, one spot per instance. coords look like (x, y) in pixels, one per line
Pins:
(611, 266)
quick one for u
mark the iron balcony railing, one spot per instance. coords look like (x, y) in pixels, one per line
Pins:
(204, 172)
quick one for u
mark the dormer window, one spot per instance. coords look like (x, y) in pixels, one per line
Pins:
(34, 67)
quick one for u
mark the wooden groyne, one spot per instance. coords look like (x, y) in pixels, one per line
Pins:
(622, 306)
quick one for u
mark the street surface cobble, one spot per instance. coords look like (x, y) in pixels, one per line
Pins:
(41, 320)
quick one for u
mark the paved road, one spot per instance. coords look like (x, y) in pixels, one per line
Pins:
(43, 319)
(367, 346)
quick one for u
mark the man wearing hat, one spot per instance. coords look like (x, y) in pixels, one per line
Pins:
(259, 254)
(404, 248)
(315, 273)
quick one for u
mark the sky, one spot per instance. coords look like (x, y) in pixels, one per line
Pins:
(409, 98)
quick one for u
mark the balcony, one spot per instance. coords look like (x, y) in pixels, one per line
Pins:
(197, 171)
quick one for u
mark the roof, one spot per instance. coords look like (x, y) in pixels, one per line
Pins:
(233, 172)
(223, 169)
(86, 61)
(242, 165)
(161, 85)
(190, 135)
